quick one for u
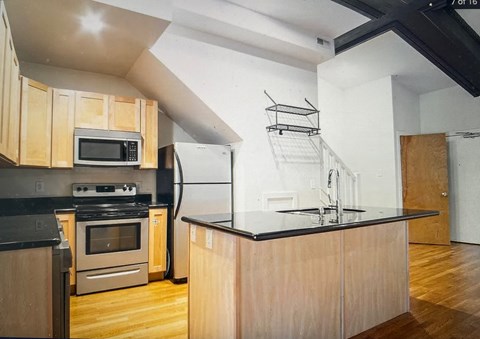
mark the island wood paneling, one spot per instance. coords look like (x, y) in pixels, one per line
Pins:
(26, 293)
(290, 287)
(376, 275)
(212, 285)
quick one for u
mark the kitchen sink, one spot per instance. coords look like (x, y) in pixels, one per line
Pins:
(316, 211)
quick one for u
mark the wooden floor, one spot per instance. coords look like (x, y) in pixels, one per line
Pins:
(444, 302)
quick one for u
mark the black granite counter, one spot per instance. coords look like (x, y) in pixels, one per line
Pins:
(28, 231)
(263, 225)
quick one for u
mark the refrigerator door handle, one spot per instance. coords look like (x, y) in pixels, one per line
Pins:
(180, 194)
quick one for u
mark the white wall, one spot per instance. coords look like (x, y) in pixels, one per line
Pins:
(358, 123)
(448, 111)
(406, 114)
(78, 80)
(169, 132)
(231, 84)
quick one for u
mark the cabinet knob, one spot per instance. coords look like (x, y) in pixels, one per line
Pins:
(444, 194)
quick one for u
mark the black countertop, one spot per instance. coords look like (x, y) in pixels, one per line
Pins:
(31, 222)
(264, 225)
(28, 231)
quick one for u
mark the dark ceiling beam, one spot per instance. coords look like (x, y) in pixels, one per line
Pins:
(434, 30)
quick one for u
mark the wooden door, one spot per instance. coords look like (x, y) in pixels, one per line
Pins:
(157, 240)
(63, 116)
(124, 114)
(91, 110)
(425, 186)
(68, 223)
(149, 130)
(35, 124)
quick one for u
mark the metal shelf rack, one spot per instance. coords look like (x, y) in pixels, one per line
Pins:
(287, 109)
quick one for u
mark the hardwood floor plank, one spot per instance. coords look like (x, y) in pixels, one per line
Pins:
(444, 303)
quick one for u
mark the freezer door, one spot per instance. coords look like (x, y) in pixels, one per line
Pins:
(197, 199)
(201, 163)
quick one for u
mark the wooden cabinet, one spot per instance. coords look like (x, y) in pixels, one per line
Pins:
(157, 240)
(124, 114)
(91, 110)
(149, 130)
(13, 139)
(68, 223)
(26, 293)
(9, 93)
(63, 116)
(35, 124)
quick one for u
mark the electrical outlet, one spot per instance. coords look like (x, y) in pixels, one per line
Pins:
(39, 186)
(193, 233)
(138, 186)
(209, 238)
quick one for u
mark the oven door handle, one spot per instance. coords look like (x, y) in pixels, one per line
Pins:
(180, 185)
(111, 275)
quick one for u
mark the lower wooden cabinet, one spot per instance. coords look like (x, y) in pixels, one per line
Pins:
(157, 240)
(26, 293)
(68, 223)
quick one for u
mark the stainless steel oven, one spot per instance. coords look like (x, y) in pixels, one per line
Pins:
(112, 237)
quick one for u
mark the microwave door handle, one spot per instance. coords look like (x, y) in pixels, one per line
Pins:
(125, 151)
(180, 185)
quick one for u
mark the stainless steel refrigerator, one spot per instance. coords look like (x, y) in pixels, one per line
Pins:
(193, 179)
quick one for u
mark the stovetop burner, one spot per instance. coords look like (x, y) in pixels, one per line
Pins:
(107, 201)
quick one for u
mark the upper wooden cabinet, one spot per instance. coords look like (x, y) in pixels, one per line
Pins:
(63, 115)
(9, 93)
(149, 130)
(91, 110)
(35, 124)
(124, 114)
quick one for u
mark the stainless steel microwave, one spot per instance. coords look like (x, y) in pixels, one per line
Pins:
(95, 147)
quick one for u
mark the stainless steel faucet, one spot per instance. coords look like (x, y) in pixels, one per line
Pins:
(338, 201)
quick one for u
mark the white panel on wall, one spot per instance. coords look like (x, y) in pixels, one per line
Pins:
(464, 182)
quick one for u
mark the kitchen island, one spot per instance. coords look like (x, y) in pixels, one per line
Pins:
(297, 275)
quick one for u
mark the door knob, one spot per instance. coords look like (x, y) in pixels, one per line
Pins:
(444, 194)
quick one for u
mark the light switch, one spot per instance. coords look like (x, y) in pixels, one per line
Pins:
(209, 239)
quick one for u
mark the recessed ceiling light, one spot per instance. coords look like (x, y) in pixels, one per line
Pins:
(92, 22)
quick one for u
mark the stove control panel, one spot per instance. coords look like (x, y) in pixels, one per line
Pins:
(104, 190)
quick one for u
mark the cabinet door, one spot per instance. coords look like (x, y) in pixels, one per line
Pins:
(157, 240)
(149, 123)
(68, 223)
(124, 114)
(63, 115)
(3, 42)
(35, 124)
(13, 140)
(91, 110)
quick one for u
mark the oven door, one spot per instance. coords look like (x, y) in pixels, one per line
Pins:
(109, 243)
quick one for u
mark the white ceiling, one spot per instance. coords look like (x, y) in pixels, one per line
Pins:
(47, 32)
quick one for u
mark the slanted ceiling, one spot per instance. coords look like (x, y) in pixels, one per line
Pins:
(432, 27)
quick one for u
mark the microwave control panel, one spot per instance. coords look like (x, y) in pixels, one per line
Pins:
(132, 150)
